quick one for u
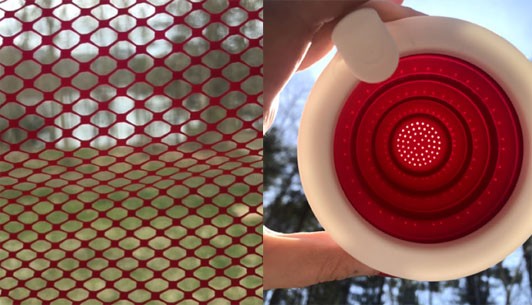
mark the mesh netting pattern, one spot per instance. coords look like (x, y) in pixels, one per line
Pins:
(130, 152)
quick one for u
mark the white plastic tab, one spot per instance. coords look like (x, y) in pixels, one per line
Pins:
(366, 46)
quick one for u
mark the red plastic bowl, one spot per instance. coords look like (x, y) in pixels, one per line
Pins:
(432, 153)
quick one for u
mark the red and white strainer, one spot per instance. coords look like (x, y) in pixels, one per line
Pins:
(414, 146)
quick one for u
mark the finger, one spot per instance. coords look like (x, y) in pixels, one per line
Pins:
(389, 11)
(288, 30)
(337, 9)
(286, 41)
(304, 259)
(386, 275)
(320, 12)
(321, 41)
(320, 46)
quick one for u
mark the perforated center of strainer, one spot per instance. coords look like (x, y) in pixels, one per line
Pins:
(418, 144)
(431, 154)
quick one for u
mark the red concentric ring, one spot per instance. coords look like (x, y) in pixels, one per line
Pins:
(432, 153)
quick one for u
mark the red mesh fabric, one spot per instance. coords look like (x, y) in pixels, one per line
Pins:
(130, 152)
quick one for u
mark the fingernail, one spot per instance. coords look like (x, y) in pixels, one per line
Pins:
(386, 275)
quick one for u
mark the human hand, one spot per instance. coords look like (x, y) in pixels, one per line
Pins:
(296, 35)
(303, 259)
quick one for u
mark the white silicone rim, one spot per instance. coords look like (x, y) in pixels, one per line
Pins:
(433, 262)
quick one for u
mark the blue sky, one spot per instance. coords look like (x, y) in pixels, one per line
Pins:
(508, 18)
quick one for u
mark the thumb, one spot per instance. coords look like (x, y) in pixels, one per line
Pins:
(288, 30)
